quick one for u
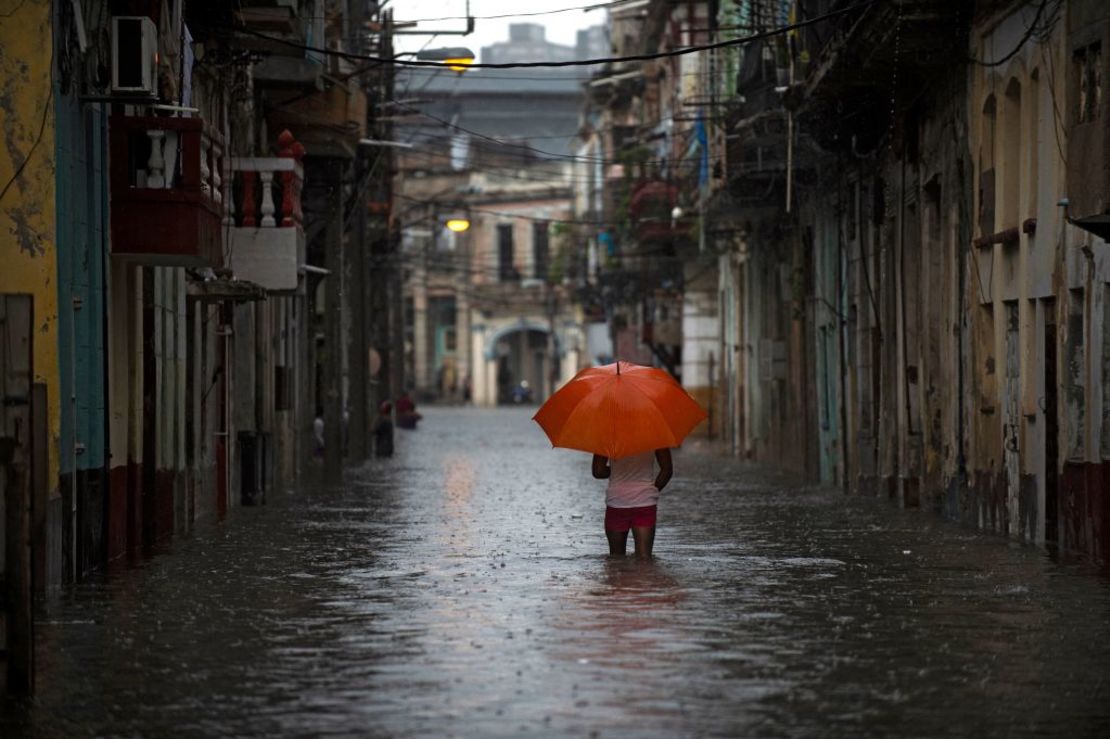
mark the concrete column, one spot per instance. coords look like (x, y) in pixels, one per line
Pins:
(333, 327)
(358, 440)
(420, 367)
(699, 340)
(489, 366)
(474, 368)
(462, 331)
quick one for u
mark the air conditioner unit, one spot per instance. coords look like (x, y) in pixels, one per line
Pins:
(134, 55)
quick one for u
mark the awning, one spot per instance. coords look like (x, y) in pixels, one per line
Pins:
(218, 290)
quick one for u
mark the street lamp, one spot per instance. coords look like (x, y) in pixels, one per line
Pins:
(456, 58)
(458, 225)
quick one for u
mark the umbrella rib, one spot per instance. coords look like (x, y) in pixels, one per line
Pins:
(652, 404)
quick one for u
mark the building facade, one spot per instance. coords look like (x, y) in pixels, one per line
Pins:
(167, 244)
(903, 206)
(492, 312)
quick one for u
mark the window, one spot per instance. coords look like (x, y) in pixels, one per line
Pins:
(505, 270)
(1074, 363)
(1088, 67)
(1009, 205)
(541, 248)
(986, 169)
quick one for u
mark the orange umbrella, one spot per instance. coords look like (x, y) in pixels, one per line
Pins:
(619, 410)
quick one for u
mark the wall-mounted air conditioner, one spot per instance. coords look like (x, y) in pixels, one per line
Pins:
(134, 55)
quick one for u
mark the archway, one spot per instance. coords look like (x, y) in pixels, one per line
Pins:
(523, 363)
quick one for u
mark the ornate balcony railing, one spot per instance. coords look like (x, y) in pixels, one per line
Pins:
(167, 180)
(265, 219)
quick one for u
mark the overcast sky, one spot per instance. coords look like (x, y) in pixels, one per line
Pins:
(561, 27)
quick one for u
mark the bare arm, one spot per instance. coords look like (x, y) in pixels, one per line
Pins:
(601, 467)
(666, 469)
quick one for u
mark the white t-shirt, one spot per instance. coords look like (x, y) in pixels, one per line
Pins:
(632, 482)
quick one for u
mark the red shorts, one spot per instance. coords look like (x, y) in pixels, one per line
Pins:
(622, 519)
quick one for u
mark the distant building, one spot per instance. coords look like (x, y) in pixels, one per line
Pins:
(489, 308)
(593, 43)
(527, 43)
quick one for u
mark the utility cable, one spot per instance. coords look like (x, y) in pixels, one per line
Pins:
(683, 51)
(1021, 43)
(525, 147)
(47, 106)
(591, 6)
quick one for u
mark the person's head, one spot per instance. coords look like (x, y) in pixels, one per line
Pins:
(385, 408)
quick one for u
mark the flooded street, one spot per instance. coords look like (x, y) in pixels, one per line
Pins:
(462, 588)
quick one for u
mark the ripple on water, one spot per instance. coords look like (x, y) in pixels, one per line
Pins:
(463, 588)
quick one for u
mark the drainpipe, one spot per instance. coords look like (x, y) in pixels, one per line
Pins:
(844, 484)
(902, 300)
(961, 322)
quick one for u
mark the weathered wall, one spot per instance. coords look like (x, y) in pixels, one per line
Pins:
(82, 244)
(701, 355)
(1027, 337)
(27, 208)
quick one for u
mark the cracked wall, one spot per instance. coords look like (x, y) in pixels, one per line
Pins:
(27, 239)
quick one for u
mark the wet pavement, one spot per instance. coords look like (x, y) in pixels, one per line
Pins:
(462, 589)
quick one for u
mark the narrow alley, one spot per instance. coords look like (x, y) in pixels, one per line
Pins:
(462, 588)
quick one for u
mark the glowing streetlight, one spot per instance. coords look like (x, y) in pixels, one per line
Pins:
(456, 58)
(458, 225)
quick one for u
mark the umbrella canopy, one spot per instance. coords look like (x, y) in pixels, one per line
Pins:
(619, 410)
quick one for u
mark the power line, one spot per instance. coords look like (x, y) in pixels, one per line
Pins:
(1025, 37)
(571, 63)
(522, 216)
(591, 6)
(528, 172)
(47, 106)
(526, 147)
(510, 214)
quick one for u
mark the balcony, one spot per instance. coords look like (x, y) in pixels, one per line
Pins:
(167, 191)
(265, 220)
(329, 122)
(650, 209)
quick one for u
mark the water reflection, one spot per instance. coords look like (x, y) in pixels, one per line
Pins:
(462, 588)
(625, 617)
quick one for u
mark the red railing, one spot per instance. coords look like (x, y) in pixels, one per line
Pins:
(168, 187)
(651, 210)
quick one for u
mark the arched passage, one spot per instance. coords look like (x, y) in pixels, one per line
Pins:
(522, 357)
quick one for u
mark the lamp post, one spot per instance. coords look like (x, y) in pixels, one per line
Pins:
(456, 58)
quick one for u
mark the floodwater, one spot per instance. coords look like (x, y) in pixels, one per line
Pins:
(462, 589)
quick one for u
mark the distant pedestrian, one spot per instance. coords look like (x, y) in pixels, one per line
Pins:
(631, 498)
(383, 431)
(406, 412)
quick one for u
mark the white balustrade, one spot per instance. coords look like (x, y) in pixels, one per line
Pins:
(205, 170)
(267, 177)
(156, 164)
(217, 175)
(282, 174)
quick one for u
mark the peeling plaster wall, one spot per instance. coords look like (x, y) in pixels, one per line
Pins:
(1018, 292)
(27, 220)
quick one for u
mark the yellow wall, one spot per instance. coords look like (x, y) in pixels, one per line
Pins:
(28, 257)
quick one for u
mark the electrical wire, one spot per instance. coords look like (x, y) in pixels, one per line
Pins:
(683, 51)
(529, 171)
(47, 106)
(1024, 38)
(532, 149)
(513, 214)
(528, 14)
